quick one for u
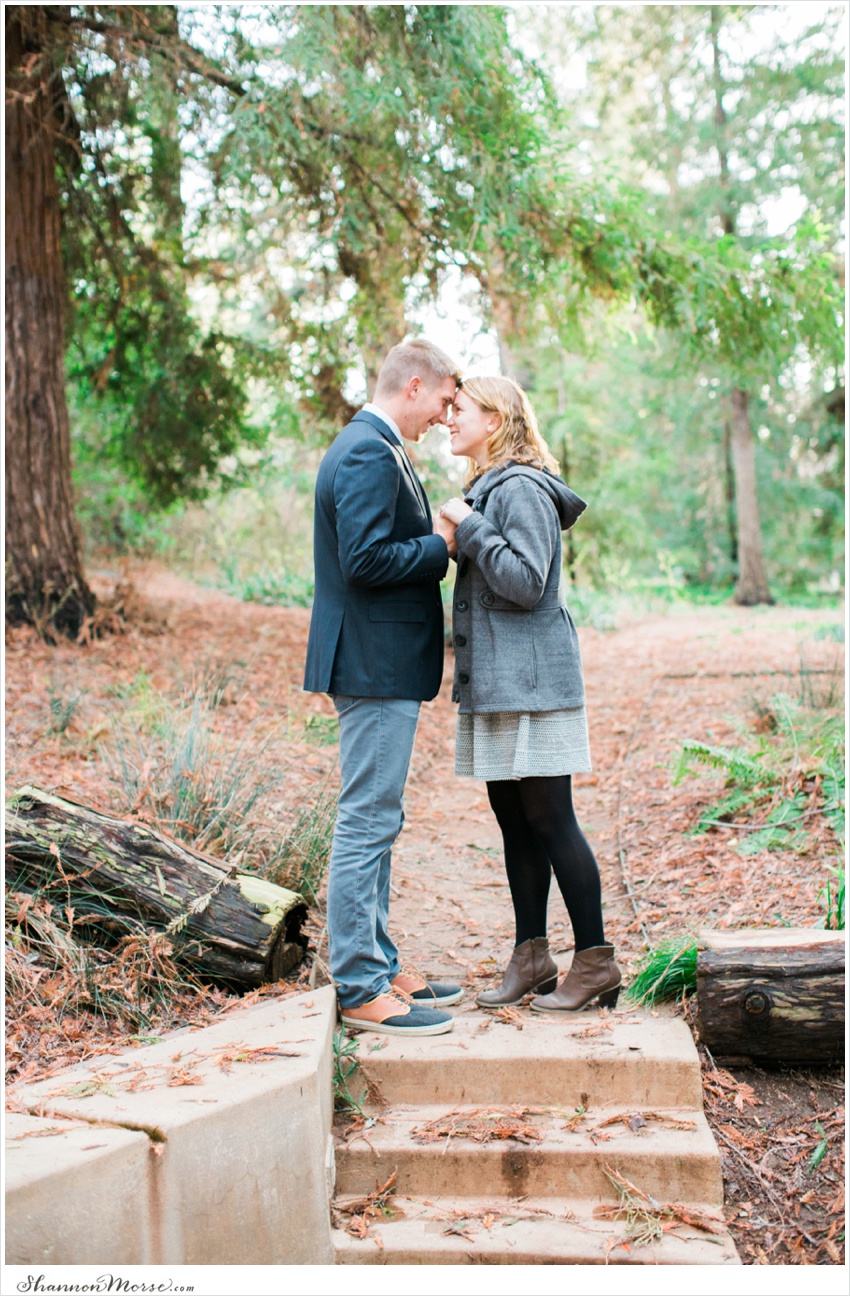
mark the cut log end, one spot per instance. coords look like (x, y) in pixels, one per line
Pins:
(772, 995)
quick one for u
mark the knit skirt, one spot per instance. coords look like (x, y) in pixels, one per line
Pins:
(515, 745)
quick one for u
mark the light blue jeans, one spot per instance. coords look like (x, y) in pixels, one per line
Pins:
(375, 745)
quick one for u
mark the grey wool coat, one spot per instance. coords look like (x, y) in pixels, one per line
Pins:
(516, 647)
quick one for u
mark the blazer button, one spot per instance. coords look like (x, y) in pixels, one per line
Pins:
(460, 640)
(463, 677)
(461, 605)
(488, 599)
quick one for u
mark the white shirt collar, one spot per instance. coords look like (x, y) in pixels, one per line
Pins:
(384, 416)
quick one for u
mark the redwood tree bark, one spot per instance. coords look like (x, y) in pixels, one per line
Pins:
(752, 584)
(45, 583)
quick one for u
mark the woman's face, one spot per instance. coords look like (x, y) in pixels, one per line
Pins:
(470, 428)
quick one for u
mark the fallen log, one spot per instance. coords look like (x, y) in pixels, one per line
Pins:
(772, 995)
(231, 927)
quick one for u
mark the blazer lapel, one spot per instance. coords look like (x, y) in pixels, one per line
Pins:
(365, 416)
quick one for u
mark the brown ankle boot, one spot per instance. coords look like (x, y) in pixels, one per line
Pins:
(593, 975)
(531, 968)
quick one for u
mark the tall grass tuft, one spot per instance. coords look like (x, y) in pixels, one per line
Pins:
(834, 896)
(668, 972)
(227, 799)
(298, 860)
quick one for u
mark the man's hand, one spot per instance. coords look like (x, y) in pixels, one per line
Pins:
(443, 527)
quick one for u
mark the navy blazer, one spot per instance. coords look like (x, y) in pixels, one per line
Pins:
(377, 623)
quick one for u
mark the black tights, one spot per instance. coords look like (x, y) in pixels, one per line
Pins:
(542, 836)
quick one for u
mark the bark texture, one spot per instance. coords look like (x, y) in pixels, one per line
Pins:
(777, 996)
(234, 928)
(45, 582)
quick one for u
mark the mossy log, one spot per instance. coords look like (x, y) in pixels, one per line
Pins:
(231, 927)
(772, 995)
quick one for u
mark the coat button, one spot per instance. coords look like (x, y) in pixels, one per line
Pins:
(461, 605)
(488, 599)
(463, 677)
(460, 640)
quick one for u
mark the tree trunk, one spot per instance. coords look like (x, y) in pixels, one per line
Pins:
(45, 583)
(752, 586)
(772, 995)
(114, 876)
(729, 491)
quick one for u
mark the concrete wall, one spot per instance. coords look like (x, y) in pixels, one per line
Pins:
(211, 1147)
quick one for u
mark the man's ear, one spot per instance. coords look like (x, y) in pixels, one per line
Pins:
(414, 387)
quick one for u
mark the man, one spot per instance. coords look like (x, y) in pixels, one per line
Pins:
(376, 645)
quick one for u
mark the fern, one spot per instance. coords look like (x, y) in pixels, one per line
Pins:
(723, 810)
(741, 769)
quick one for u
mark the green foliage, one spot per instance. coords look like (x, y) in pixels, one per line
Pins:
(322, 729)
(745, 308)
(164, 395)
(833, 632)
(740, 768)
(345, 1065)
(667, 972)
(796, 772)
(282, 588)
(342, 161)
(820, 1151)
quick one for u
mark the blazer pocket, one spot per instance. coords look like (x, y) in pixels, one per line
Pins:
(396, 612)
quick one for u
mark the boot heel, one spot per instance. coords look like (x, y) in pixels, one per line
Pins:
(609, 998)
(546, 987)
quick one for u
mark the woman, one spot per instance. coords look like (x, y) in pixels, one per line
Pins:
(518, 679)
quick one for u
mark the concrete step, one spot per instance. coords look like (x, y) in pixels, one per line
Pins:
(610, 1058)
(668, 1153)
(534, 1231)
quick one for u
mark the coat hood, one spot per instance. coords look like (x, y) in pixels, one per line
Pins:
(568, 505)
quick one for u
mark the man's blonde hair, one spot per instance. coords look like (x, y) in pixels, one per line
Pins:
(416, 359)
(517, 439)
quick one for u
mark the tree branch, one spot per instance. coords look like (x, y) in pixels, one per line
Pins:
(180, 51)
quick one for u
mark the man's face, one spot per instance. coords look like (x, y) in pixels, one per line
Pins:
(427, 406)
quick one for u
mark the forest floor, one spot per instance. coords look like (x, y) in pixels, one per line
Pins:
(689, 673)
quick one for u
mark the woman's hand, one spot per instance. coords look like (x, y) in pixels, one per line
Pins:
(455, 510)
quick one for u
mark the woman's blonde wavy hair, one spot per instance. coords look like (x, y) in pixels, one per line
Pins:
(517, 439)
